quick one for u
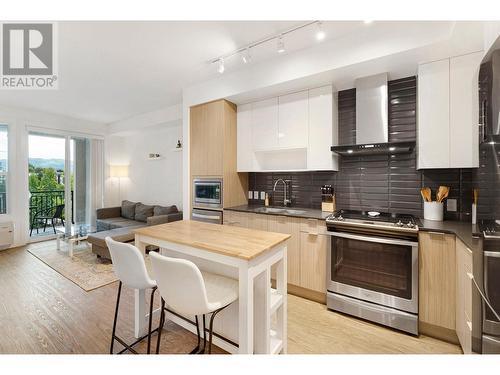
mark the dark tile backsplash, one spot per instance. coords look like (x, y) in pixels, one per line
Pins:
(381, 182)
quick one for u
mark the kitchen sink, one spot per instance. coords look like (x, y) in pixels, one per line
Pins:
(276, 210)
(270, 210)
(295, 212)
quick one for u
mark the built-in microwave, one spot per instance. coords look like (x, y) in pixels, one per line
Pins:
(207, 192)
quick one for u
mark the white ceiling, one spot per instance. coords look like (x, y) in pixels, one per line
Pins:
(109, 71)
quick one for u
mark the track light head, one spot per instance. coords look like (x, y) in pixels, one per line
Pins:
(281, 45)
(320, 34)
(220, 66)
(246, 57)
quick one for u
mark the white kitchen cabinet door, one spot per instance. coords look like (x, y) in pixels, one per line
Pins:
(433, 129)
(265, 124)
(323, 130)
(244, 149)
(464, 110)
(293, 120)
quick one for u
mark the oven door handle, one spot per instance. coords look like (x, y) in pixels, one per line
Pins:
(391, 241)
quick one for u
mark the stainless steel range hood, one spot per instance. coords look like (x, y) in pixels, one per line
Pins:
(372, 129)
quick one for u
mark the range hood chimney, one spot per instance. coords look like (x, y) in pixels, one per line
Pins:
(372, 126)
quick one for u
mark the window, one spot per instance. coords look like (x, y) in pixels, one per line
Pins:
(4, 148)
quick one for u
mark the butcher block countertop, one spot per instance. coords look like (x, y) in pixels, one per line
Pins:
(236, 242)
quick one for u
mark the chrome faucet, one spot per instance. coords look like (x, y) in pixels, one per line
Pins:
(286, 201)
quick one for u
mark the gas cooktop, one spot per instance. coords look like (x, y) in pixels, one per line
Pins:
(381, 221)
(490, 228)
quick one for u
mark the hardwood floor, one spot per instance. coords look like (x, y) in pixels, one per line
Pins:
(43, 312)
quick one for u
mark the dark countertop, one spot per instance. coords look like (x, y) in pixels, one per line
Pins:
(308, 213)
(463, 230)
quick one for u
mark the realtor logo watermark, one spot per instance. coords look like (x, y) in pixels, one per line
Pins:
(29, 59)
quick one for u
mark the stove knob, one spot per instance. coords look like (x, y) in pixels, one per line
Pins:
(340, 218)
(410, 225)
(399, 224)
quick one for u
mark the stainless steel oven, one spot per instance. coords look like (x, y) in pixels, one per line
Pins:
(207, 192)
(486, 296)
(375, 278)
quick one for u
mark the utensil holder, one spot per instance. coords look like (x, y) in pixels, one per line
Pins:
(474, 213)
(433, 211)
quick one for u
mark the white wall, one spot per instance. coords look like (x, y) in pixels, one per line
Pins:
(149, 181)
(18, 120)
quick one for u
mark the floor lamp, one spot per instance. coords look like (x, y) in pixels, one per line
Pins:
(119, 172)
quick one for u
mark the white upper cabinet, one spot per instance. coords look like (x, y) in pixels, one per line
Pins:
(293, 118)
(245, 155)
(464, 110)
(323, 130)
(290, 132)
(448, 112)
(434, 115)
(265, 124)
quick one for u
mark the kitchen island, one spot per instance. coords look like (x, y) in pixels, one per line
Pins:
(256, 323)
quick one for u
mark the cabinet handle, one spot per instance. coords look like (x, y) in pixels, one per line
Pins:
(437, 233)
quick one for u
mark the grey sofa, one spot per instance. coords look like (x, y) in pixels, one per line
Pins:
(119, 222)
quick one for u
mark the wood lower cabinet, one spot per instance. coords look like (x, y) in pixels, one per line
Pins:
(289, 225)
(306, 249)
(464, 296)
(313, 248)
(437, 285)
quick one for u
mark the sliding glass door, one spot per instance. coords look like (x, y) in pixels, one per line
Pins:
(63, 184)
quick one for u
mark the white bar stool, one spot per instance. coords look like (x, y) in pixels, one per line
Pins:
(130, 268)
(191, 292)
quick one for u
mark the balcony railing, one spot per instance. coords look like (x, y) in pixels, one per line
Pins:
(3, 202)
(44, 203)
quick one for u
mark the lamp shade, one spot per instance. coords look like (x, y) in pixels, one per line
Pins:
(118, 171)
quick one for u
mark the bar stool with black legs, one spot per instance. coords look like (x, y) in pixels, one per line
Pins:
(190, 291)
(130, 268)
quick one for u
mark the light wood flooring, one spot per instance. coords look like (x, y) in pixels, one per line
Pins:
(43, 312)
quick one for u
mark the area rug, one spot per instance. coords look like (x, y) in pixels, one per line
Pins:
(84, 269)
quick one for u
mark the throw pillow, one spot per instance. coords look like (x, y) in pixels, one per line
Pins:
(143, 211)
(162, 210)
(128, 210)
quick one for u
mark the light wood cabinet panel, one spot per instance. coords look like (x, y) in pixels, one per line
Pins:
(464, 296)
(235, 219)
(258, 221)
(434, 115)
(198, 136)
(464, 109)
(293, 119)
(437, 280)
(289, 225)
(207, 139)
(313, 249)
(245, 154)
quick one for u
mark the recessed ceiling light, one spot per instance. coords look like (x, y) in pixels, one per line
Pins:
(349, 151)
(367, 22)
(220, 66)
(320, 34)
(246, 57)
(281, 45)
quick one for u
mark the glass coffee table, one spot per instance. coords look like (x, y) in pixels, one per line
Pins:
(74, 234)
